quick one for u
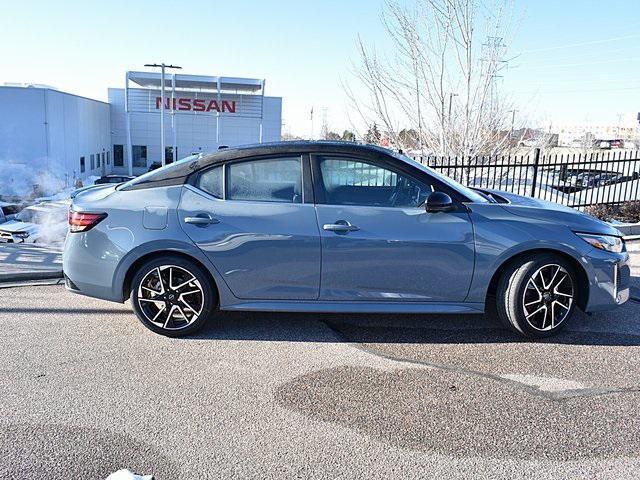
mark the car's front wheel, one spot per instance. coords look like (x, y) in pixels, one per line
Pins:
(536, 295)
(172, 296)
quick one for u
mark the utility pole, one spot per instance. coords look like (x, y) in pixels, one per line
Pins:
(513, 121)
(312, 122)
(324, 130)
(451, 95)
(493, 51)
(162, 67)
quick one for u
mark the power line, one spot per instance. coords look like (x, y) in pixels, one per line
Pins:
(581, 44)
(592, 56)
(592, 81)
(562, 65)
(579, 91)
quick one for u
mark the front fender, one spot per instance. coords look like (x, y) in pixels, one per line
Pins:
(500, 237)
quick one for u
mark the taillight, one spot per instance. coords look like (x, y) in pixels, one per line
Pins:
(83, 221)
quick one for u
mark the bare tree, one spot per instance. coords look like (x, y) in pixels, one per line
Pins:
(440, 77)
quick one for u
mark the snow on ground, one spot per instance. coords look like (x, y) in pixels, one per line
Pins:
(125, 474)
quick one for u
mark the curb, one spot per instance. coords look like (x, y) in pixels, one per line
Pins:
(30, 276)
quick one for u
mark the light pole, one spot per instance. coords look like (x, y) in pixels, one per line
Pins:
(162, 67)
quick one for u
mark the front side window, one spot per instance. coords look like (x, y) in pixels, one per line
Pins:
(139, 155)
(356, 182)
(267, 180)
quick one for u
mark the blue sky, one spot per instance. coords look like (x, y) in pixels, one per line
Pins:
(575, 60)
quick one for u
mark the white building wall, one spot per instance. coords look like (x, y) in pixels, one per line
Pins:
(77, 127)
(43, 134)
(22, 128)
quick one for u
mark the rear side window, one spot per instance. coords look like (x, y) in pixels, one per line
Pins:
(266, 180)
(211, 182)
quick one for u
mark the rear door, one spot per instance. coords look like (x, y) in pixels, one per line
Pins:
(378, 241)
(255, 220)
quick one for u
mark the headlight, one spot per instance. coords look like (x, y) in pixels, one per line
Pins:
(21, 235)
(608, 243)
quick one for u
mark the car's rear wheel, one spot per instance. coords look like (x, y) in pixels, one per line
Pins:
(172, 296)
(536, 295)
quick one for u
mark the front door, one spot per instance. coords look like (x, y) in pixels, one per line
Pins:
(252, 220)
(379, 243)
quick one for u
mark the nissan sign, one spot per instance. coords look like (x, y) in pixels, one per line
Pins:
(196, 103)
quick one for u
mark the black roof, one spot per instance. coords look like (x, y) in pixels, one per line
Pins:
(176, 173)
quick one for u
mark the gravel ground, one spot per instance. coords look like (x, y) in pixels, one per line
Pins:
(86, 391)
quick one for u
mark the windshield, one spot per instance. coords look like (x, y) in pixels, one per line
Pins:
(146, 176)
(472, 195)
(26, 215)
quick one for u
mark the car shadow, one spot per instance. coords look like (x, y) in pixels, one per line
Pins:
(401, 329)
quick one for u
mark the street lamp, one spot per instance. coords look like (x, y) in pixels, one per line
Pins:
(162, 67)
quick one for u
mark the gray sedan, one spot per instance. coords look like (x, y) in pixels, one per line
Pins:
(335, 227)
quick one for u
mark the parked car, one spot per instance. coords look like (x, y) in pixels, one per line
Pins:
(106, 180)
(154, 166)
(8, 210)
(335, 227)
(41, 223)
(113, 179)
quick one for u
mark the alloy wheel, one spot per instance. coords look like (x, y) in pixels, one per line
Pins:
(170, 297)
(548, 297)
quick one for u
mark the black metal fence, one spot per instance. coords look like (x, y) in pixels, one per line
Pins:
(574, 179)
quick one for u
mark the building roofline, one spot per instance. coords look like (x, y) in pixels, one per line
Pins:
(183, 80)
(55, 91)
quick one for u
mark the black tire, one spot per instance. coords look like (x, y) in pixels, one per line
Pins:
(523, 302)
(189, 309)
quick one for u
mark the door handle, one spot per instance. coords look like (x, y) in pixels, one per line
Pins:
(341, 226)
(201, 220)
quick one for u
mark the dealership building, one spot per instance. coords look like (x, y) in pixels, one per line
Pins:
(73, 137)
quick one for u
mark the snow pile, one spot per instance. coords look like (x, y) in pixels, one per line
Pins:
(125, 474)
(37, 178)
(23, 181)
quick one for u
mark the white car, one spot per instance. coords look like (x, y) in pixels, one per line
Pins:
(41, 223)
(8, 210)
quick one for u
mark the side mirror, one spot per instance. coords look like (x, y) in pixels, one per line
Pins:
(439, 202)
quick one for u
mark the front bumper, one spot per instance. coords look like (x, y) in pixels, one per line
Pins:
(9, 237)
(609, 276)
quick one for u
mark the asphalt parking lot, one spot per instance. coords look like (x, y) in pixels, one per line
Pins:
(86, 391)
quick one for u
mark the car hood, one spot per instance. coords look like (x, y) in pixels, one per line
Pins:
(554, 213)
(14, 226)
